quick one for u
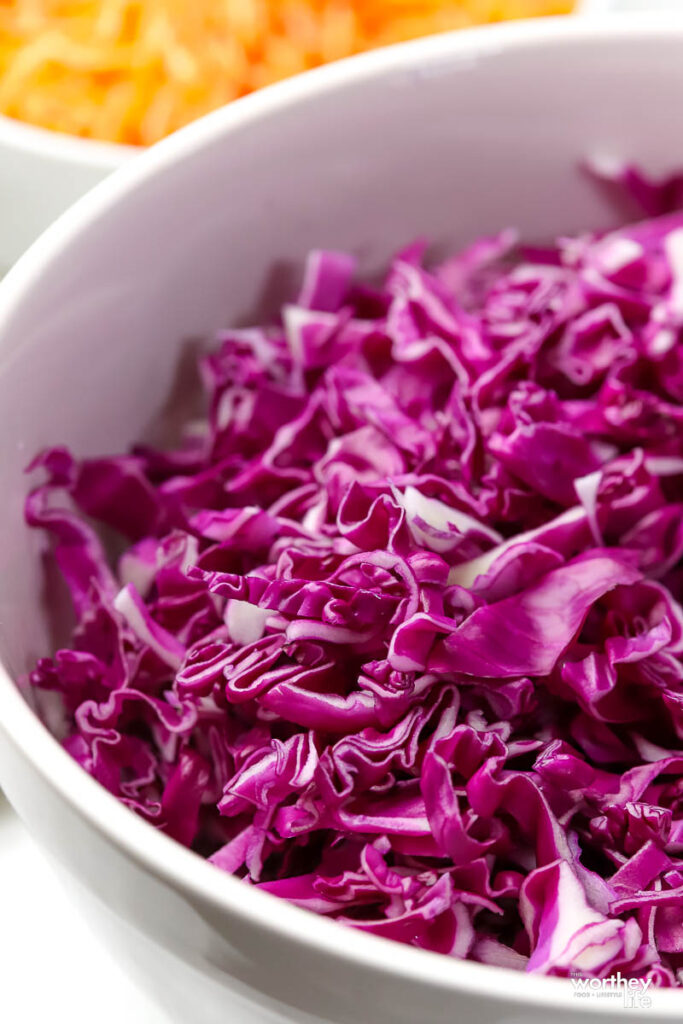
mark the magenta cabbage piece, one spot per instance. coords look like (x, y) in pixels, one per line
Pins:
(397, 633)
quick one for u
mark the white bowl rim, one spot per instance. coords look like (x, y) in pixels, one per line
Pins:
(174, 864)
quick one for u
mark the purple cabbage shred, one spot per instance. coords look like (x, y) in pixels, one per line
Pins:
(397, 633)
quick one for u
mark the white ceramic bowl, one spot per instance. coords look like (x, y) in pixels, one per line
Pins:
(449, 137)
(41, 174)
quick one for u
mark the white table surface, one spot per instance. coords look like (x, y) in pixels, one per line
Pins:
(53, 969)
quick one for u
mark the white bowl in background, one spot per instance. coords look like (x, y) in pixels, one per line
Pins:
(449, 137)
(41, 174)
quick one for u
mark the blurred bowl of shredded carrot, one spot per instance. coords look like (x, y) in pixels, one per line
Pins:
(132, 71)
(85, 83)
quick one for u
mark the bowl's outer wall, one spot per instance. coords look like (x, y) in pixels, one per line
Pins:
(455, 140)
(41, 174)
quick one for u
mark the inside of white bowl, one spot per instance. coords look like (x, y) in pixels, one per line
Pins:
(438, 140)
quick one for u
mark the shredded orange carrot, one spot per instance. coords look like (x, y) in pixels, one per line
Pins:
(134, 70)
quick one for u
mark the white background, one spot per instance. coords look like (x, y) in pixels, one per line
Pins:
(603, 6)
(53, 970)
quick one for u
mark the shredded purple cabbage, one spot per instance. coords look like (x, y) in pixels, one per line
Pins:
(397, 634)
